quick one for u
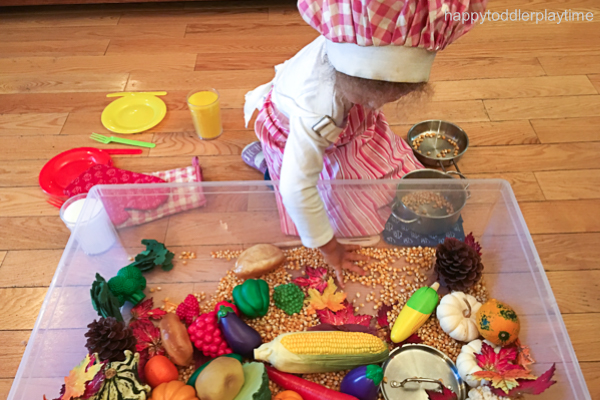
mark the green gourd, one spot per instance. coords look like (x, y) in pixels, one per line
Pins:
(122, 382)
(252, 298)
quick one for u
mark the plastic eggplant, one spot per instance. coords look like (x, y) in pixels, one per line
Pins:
(363, 382)
(239, 336)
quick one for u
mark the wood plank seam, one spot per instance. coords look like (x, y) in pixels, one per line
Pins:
(590, 79)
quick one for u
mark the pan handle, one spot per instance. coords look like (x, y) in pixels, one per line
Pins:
(395, 384)
(395, 206)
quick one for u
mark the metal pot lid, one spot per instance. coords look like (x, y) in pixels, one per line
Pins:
(414, 368)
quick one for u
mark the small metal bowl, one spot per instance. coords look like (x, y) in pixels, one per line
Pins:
(436, 144)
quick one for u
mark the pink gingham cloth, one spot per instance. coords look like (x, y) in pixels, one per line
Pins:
(179, 199)
(414, 23)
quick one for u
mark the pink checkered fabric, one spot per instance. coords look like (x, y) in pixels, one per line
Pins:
(417, 23)
(180, 198)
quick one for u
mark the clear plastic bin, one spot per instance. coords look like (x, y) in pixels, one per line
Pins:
(238, 214)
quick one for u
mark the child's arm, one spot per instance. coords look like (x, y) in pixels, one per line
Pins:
(301, 167)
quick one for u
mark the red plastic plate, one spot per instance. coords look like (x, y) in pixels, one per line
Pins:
(65, 167)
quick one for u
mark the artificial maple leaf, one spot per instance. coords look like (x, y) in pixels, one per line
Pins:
(144, 311)
(344, 316)
(75, 382)
(317, 279)
(535, 387)
(524, 357)
(499, 368)
(446, 394)
(470, 240)
(148, 339)
(329, 299)
(500, 362)
(505, 381)
(382, 318)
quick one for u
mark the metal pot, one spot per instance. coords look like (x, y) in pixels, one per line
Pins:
(435, 220)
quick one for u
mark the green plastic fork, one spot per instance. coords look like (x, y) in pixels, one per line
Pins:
(105, 139)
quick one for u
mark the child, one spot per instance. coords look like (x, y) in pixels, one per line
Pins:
(320, 119)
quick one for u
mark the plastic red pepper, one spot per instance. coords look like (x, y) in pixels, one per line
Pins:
(227, 304)
(307, 389)
(207, 337)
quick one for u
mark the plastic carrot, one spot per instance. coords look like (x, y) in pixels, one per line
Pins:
(417, 310)
(307, 389)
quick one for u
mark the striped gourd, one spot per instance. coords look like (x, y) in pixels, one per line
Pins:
(122, 382)
(313, 352)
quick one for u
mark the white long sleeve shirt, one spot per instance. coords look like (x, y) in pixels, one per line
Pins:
(303, 89)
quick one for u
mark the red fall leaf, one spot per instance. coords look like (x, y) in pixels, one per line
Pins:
(343, 317)
(144, 311)
(382, 318)
(316, 278)
(446, 394)
(500, 368)
(148, 339)
(535, 387)
(470, 240)
(500, 362)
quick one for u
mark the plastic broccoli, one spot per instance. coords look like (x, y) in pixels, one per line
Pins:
(128, 285)
(288, 298)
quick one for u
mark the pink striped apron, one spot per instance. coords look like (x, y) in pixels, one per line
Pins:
(366, 149)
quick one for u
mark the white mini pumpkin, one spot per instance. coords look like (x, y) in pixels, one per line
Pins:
(466, 362)
(457, 315)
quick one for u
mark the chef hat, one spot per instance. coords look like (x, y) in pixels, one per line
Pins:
(389, 40)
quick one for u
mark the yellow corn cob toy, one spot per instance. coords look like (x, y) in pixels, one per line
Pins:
(417, 310)
(327, 351)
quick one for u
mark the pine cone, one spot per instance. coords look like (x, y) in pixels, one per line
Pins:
(109, 338)
(457, 264)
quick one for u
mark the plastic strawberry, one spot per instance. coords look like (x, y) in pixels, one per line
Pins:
(189, 309)
(344, 316)
(316, 279)
(500, 368)
(207, 337)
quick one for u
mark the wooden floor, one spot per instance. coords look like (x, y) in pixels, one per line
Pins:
(527, 94)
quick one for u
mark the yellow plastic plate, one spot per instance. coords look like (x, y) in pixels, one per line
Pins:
(133, 113)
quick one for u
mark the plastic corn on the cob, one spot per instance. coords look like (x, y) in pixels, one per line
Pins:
(314, 352)
(415, 313)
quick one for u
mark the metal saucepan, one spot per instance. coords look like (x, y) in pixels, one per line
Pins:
(412, 369)
(430, 218)
(438, 143)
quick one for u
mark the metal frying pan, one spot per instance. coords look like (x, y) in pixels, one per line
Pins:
(438, 143)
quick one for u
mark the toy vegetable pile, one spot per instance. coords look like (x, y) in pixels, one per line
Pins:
(221, 342)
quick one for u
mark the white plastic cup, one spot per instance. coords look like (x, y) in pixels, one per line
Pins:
(95, 232)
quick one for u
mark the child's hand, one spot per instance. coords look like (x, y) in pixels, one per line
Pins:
(340, 257)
